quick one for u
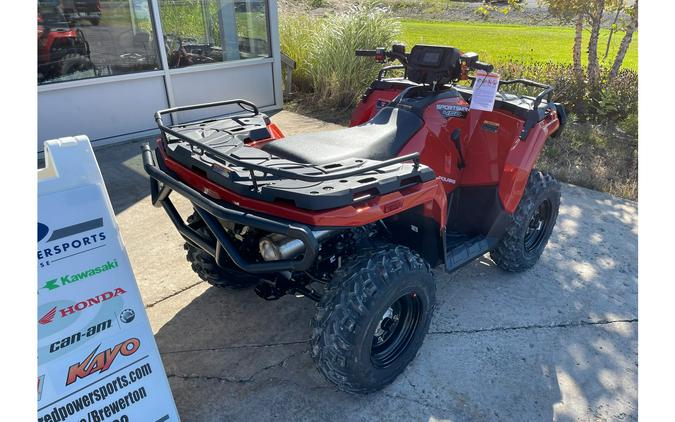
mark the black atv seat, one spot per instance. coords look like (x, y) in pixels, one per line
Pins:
(381, 138)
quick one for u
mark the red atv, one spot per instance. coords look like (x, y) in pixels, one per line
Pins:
(355, 218)
(61, 50)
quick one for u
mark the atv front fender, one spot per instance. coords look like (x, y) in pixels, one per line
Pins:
(520, 162)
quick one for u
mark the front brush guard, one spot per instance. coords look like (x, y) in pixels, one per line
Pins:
(211, 212)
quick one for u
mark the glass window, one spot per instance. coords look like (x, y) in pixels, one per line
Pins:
(79, 39)
(209, 31)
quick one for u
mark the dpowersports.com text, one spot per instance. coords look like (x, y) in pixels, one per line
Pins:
(113, 411)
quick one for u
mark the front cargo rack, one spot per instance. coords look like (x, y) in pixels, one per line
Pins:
(218, 150)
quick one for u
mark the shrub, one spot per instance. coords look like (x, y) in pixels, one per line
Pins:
(616, 101)
(296, 35)
(324, 51)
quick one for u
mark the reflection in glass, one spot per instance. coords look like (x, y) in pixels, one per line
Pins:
(80, 39)
(210, 31)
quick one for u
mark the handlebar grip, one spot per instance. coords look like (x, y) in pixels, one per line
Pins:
(366, 53)
(483, 66)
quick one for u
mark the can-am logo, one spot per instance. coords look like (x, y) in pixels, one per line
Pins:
(55, 283)
(57, 243)
(80, 306)
(101, 362)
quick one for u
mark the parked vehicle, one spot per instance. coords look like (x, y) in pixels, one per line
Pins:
(62, 50)
(77, 10)
(355, 218)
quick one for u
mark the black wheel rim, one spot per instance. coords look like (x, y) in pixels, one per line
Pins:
(538, 226)
(395, 330)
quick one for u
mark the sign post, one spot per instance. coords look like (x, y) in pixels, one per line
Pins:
(97, 357)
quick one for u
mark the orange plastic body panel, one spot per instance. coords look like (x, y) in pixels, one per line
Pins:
(429, 194)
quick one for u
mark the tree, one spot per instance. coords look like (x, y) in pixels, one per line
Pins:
(595, 12)
(591, 12)
(625, 42)
(568, 11)
(613, 29)
(582, 12)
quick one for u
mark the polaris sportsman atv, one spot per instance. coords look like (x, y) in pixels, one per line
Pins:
(355, 218)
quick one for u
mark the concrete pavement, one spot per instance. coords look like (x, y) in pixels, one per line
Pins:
(558, 342)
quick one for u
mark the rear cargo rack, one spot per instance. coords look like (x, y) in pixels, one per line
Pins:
(252, 167)
(217, 150)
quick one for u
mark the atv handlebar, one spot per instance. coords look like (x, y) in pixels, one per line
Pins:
(482, 66)
(365, 53)
(382, 54)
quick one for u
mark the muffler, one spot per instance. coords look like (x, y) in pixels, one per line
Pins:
(276, 247)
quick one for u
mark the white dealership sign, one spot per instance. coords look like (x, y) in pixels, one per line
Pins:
(97, 357)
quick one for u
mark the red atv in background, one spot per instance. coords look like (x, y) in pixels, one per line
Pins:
(354, 218)
(62, 50)
(77, 10)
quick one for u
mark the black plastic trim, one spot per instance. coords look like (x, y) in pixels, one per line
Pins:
(210, 211)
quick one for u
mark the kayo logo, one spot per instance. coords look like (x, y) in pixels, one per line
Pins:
(102, 361)
(80, 306)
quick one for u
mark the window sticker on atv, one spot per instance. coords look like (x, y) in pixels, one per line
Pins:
(448, 110)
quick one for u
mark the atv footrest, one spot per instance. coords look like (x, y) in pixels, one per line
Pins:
(462, 249)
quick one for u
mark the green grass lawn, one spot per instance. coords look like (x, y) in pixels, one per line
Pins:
(497, 43)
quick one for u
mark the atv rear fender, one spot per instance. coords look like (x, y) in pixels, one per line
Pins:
(426, 202)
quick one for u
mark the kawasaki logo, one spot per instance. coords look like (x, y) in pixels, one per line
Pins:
(80, 306)
(102, 361)
(71, 278)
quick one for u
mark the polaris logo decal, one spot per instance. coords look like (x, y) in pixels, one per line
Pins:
(72, 278)
(102, 361)
(58, 247)
(80, 306)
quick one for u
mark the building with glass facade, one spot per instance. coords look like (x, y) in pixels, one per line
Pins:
(105, 66)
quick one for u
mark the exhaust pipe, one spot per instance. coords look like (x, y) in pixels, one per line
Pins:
(275, 247)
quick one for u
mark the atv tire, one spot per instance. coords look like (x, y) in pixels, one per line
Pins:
(71, 63)
(205, 265)
(373, 317)
(532, 224)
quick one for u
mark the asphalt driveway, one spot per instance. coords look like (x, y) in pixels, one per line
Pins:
(558, 342)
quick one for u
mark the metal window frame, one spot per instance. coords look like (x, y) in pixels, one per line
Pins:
(166, 72)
